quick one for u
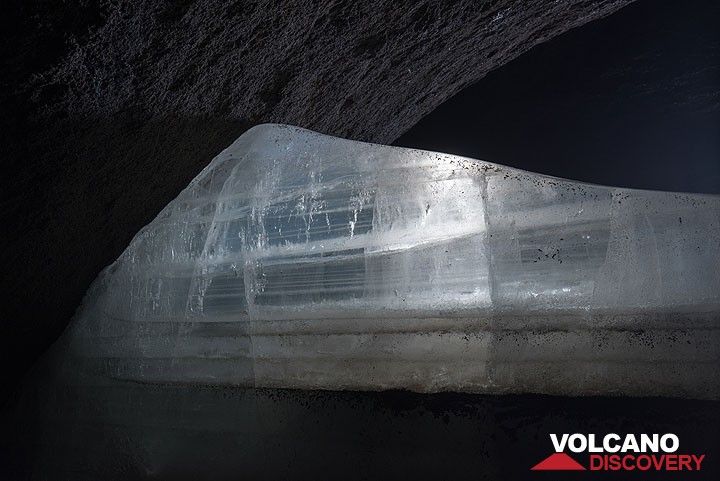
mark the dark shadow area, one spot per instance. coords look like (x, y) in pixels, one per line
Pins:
(131, 431)
(631, 100)
(81, 182)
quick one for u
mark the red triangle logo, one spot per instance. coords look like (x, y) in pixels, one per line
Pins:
(558, 462)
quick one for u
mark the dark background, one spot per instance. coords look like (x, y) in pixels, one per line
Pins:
(131, 431)
(630, 100)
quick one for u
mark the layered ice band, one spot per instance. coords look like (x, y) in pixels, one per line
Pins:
(301, 260)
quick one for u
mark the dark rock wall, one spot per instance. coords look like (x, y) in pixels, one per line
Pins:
(111, 108)
(366, 70)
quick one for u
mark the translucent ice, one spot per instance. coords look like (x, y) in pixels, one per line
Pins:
(300, 260)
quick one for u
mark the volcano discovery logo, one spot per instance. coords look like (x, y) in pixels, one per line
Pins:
(613, 452)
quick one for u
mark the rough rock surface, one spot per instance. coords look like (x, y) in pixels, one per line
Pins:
(112, 107)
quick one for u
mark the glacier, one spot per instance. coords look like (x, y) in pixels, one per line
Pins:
(300, 260)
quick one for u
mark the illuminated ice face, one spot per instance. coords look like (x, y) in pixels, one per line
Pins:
(299, 250)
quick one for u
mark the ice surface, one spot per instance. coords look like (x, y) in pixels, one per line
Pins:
(300, 260)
